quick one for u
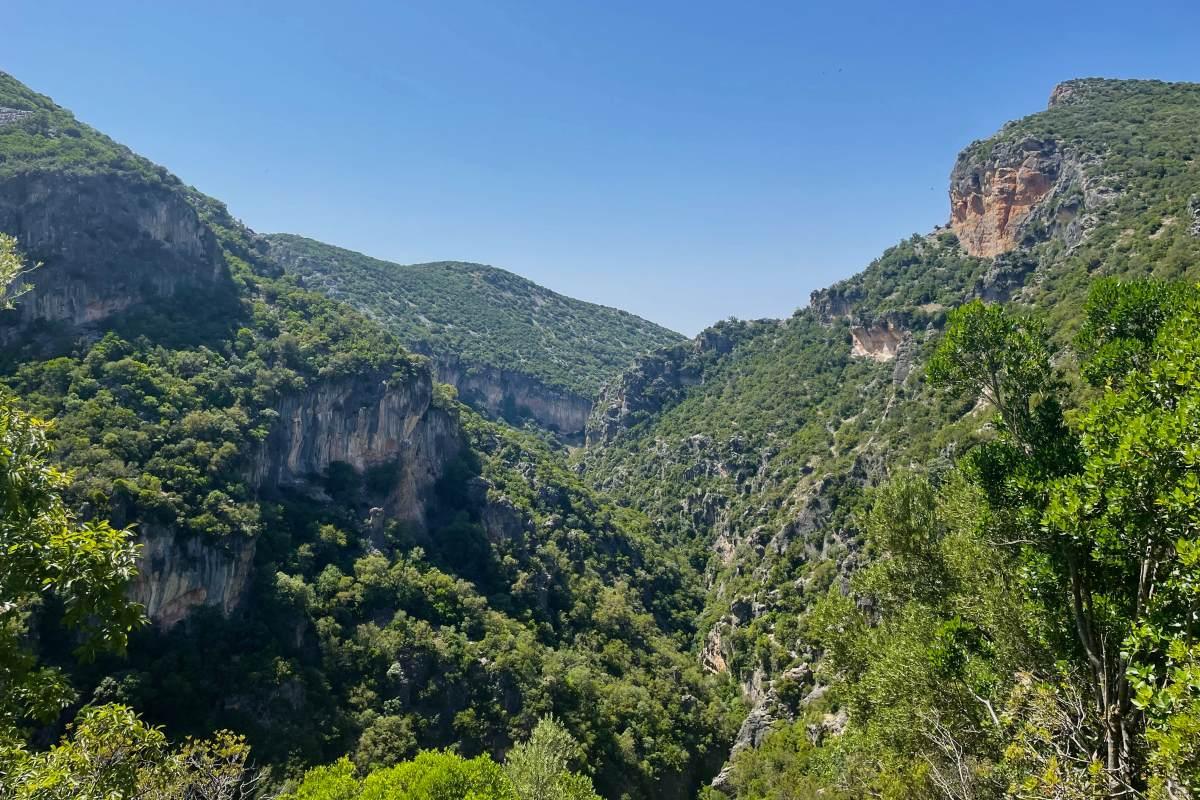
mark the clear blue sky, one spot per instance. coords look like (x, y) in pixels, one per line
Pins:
(687, 161)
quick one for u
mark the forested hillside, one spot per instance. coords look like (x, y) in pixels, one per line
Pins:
(758, 447)
(336, 556)
(935, 535)
(509, 345)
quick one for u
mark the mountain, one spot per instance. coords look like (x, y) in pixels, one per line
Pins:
(510, 347)
(754, 447)
(337, 557)
(882, 547)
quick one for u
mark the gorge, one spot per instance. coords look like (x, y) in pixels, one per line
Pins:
(385, 509)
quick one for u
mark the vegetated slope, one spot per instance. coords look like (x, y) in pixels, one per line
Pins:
(486, 328)
(752, 446)
(338, 557)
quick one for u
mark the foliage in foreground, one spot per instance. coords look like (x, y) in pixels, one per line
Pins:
(79, 570)
(1028, 627)
(539, 769)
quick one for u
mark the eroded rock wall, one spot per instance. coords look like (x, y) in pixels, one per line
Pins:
(105, 242)
(365, 421)
(992, 195)
(880, 341)
(514, 395)
(1019, 192)
(178, 574)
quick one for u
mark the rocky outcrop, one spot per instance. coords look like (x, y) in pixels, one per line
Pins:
(839, 301)
(879, 342)
(658, 380)
(878, 338)
(10, 115)
(1064, 93)
(515, 396)
(106, 243)
(713, 656)
(365, 421)
(178, 574)
(769, 707)
(1020, 191)
(992, 197)
(1080, 90)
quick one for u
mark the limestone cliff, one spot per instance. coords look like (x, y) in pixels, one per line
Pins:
(178, 574)
(992, 197)
(1018, 191)
(365, 421)
(879, 337)
(880, 342)
(106, 242)
(515, 396)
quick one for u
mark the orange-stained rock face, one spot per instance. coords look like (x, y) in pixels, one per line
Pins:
(990, 200)
(712, 657)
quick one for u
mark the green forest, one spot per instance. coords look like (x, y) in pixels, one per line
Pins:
(937, 534)
(479, 315)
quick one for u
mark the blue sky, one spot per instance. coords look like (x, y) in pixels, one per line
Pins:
(687, 161)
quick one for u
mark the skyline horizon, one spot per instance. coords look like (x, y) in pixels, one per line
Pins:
(682, 163)
(803, 303)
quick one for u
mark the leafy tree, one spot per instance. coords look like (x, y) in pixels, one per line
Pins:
(110, 754)
(435, 775)
(923, 651)
(540, 769)
(432, 775)
(12, 269)
(1121, 322)
(1136, 508)
(49, 554)
(1111, 533)
(1002, 357)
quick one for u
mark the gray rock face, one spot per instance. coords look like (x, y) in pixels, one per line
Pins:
(105, 242)
(767, 709)
(362, 421)
(365, 421)
(179, 574)
(508, 394)
(1064, 93)
(10, 115)
(839, 301)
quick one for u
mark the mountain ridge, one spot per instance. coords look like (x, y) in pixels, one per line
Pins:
(509, 345)
(339, 556)
(754, 448)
